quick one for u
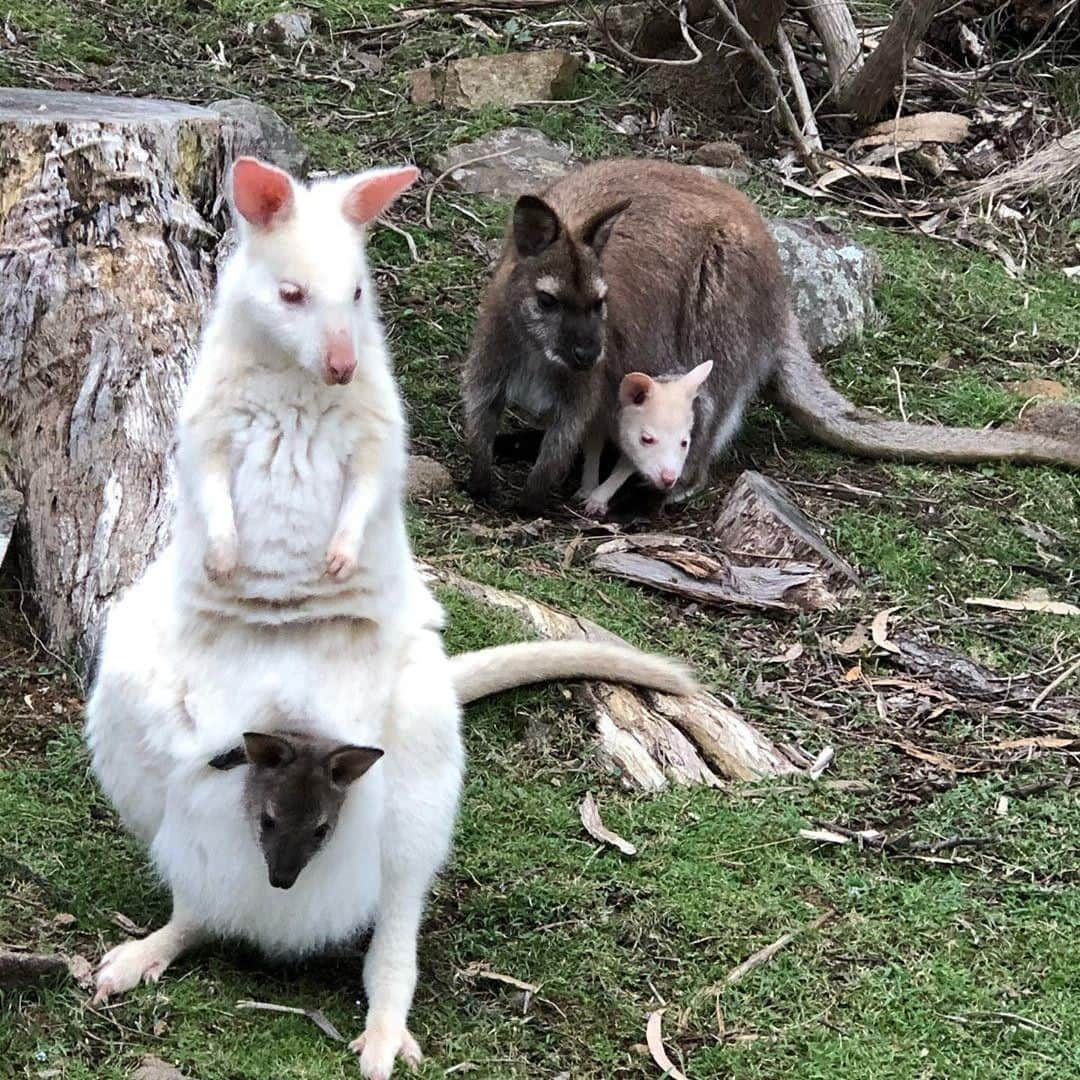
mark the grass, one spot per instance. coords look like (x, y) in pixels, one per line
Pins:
(958, 969)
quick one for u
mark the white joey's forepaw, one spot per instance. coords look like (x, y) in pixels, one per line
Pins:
(596, 508)
(379, 1047)
(222, 554)
(123, 968)
(341, 561)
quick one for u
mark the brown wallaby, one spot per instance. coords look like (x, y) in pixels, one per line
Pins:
(690, 275)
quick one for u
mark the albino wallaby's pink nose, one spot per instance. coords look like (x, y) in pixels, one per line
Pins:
(668, 477)
(339, 363)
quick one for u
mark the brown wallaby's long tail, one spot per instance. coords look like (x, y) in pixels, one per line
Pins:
(807, 396)
(489, 671)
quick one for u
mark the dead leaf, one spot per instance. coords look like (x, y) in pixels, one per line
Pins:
(854, 642)
(655, 1039)
(590, 818)
(879, 631)
(479, 970)
(934, 758)
(118, 918)
(1047, 607)
(316, 1016)
(1042, 742)
(788, 656)
(82, 971)
(875, 172)
(938, 127)
(853, 674)
(824, 836)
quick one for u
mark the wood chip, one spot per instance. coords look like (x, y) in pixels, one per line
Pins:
(316, 1016)
(936, 127)
(590, 818)
(822, 762)
(788, 656)
(855, 642)
(879, 631)
(1047, 607)
(824, 836)
(655, 1039)
(1041, 742)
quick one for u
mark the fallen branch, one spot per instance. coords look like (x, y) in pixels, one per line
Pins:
(316, 1016)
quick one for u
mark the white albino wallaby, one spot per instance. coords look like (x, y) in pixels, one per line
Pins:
(652, 429)
(273, 711)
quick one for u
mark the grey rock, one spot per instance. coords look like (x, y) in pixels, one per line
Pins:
(723, 154)
(153, 1068)
(831, 280)
(367, 64)
(528, 161)
(513, 78)
(427, 478)
(288, 28)
(11, 504)
(259, 131)
(733, 175)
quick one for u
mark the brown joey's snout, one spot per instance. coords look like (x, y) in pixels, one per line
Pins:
(339, 359)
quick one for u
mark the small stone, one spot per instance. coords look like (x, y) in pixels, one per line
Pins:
(260, 132)
(368, 64)
(288, 28)
(1037, 388)
(426, 478)
(831, 280)
(720, 155)
(528, 161)
(153, 1068)
(507, 79)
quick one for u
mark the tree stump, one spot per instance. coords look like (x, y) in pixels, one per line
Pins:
(108, 209)
(648, 739)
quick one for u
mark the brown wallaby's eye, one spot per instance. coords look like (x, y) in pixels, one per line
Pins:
(322, 831)
(291, 294)
(358, 292)
(648, 440)
(546, 300)
(267, 821)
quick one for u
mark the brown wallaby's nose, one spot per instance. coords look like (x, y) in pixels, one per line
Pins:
(585, 354)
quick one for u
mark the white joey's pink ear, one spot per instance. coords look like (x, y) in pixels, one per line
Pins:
(692, 381)
(635, 388)
(262, 194)
(372, 194)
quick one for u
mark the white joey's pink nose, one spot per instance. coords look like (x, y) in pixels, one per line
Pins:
(668, 477)
(339, 360)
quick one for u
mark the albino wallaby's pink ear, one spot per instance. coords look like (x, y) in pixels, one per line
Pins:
(635, 388)
(262, 194)
(695, 378)
(370, 196)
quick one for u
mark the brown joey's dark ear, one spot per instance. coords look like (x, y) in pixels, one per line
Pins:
(268, 751)
(634, 388)
(597, 230)
(536, 225)
(349, 763)
(230, 759)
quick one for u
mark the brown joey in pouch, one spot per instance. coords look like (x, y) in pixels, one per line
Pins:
(539, 341)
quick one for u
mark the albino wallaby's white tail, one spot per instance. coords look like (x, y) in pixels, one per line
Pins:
(489, 671)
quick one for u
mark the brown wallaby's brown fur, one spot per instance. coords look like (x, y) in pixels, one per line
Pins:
(689, 274)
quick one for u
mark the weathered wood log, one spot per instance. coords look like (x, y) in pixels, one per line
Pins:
(648, 739)
(759, 524)
(107, 238)
(18, 969)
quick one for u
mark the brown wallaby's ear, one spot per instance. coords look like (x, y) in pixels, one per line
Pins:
(230, 759)
(635, 388)
(268, 751)
(597, 230)
(349, 763)
(536, 225)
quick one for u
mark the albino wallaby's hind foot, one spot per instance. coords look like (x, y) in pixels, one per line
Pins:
(123, 968)
(379, 1047)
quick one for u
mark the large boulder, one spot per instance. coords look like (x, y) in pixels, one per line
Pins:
(261, 133)
(527, 162)
(515, 78)
(831, 280)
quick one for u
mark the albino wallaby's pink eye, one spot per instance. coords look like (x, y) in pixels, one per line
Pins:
(291, 294)
(358, 293)
(648, 440)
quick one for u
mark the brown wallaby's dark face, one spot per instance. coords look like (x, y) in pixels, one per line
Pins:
(293, 793)
(558, 284)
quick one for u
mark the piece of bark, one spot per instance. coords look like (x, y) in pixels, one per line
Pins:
(760, 524)
(11, 504)
(649, 739)
(27, 969)
(107, 248)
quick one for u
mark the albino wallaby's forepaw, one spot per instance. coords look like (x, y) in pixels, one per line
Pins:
(379, 1047)
(221, 559)
(341, 561)
(123, 968)
(596, 508)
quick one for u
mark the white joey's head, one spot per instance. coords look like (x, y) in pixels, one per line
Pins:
(656, 422)
(301, 275)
